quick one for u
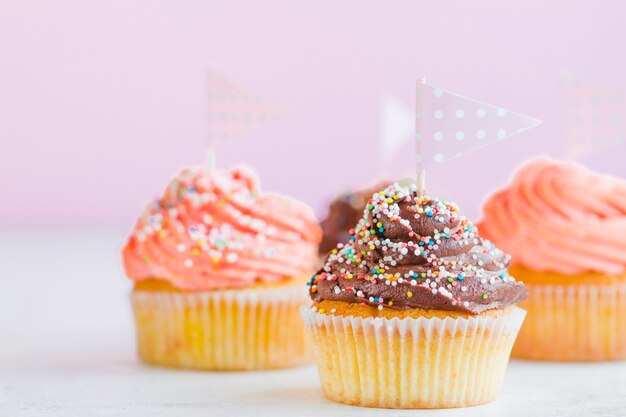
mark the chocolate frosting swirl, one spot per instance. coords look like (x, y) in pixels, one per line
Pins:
(411, 251)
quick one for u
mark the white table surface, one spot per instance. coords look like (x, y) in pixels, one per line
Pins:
(67, 349)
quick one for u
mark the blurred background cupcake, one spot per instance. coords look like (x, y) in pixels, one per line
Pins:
(219, 270)
(343, 213)
(414, 310)
(565, 228)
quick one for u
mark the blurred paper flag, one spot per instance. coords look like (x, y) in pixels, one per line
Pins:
(449, 125)
(594, 117)
(397, 127)
(233, 111)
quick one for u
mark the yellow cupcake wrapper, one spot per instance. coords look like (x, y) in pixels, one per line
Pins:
(573, 323)
(246, 329)
(412, 362)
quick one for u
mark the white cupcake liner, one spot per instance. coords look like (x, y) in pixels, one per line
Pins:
(412, 362)
(243, 329)
(573, 323)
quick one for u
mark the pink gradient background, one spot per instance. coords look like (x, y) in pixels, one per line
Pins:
(102, 102)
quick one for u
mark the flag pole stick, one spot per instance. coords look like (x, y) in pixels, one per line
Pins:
(421, 182)
(210, 158)
(211, 139)
(421, 172)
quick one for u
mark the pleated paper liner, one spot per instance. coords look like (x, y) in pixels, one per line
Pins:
(246, 329)
(573, 323)
(412, 362)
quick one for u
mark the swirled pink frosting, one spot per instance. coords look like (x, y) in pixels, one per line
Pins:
(560, 217)
(215, 231)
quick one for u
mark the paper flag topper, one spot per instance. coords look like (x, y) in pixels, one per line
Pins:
(234, 111)
(397, 127)
(449, 125)
(594, 118)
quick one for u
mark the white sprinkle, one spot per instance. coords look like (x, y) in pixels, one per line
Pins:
(188, 263)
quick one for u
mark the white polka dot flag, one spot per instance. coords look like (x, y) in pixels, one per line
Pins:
(594, 118)
(449, 125)
(233, 111)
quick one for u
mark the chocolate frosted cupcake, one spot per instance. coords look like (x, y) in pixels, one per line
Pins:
(415, 310)
(343, 213)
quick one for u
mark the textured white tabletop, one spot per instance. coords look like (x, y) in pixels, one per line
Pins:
(67, 349)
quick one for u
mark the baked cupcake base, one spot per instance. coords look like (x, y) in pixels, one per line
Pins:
(244, 329)
(422, 359)
(572, 318)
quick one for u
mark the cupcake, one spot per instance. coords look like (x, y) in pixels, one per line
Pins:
(219, 270)
(565, 228)
(343, 213)
(415, 310)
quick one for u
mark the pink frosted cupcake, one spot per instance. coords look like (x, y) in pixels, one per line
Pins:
(219, 271)
(565, 228)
